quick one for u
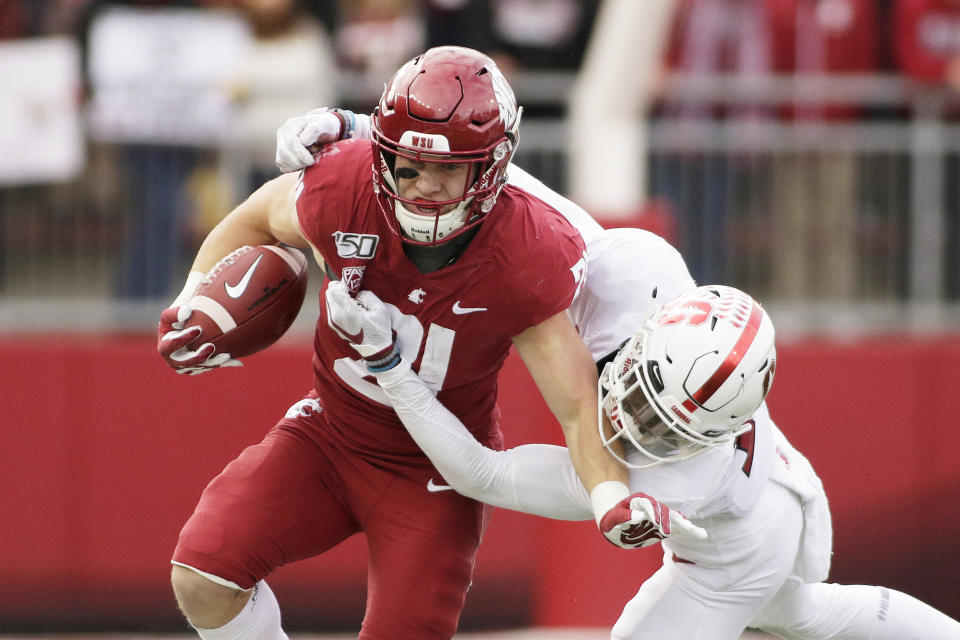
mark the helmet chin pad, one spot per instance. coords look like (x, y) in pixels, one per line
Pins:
(429, 229)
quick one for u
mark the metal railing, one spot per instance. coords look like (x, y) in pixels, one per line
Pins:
(843, 225)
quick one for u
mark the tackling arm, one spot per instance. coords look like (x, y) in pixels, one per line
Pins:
(537, 479)
(566, 375)
(534, 478)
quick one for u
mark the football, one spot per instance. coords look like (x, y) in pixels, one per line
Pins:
(249, 299)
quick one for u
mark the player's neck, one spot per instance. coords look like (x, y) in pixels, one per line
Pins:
(430, 259)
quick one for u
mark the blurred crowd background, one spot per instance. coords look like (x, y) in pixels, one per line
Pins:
(804, 150)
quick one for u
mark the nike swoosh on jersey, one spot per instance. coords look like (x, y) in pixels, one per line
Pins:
(433, 487)
(457, 309)
(236, 290)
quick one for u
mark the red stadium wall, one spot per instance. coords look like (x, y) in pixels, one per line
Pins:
(105, 451)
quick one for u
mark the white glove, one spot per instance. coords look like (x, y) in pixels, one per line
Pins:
(640, 520)
(174, 337)
(298, 138)
(364, 322)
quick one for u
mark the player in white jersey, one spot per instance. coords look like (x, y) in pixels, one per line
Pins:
(756, 548)
(757, 545)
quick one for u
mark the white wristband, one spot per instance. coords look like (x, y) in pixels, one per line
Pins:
(193, 281)
(605, 495)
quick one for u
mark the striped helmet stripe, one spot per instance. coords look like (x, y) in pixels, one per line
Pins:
(730, 363)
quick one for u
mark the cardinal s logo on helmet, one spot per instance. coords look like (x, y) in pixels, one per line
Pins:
(690, 378)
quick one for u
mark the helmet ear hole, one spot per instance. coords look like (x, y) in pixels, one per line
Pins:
(768, 378)
(653, 372)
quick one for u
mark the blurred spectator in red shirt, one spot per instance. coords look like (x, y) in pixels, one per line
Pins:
(703, 187)
(825, 37)
(927, 40)
(814, 243)
(809, 242)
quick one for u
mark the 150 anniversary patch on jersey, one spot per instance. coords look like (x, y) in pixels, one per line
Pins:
(356, 245)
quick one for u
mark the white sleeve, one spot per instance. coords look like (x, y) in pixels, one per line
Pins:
(534, 478)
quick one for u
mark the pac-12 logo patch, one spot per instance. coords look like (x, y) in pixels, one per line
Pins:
(352, 277)
(355, 245)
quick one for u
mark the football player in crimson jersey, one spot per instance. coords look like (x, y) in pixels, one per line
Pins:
(467, 262)
(757, 546)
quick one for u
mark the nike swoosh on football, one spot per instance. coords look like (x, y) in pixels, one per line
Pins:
(236, 290)
(433, 487)
(457, 309)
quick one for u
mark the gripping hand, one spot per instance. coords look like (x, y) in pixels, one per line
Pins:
(175, 337)
(364, 322)
(640, 521)
(299, 138)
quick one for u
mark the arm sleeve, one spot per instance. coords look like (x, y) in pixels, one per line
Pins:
(537, 478)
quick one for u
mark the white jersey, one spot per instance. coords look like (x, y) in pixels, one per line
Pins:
(629, 272)
(725, 480)
(587, 226)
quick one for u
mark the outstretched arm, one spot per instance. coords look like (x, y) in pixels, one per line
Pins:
(533, 478)
(566, 375)
(536, 479)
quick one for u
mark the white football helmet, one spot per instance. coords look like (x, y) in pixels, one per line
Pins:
(690, 379)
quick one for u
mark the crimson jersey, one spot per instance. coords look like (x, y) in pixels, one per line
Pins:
(454, 325)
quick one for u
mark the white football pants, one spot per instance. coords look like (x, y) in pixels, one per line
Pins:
(743, 576)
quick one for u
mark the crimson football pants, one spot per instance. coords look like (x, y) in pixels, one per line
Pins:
(297, 494)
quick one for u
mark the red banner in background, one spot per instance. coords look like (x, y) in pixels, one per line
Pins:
(105, 452)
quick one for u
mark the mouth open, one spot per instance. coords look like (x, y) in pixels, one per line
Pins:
(420, 206)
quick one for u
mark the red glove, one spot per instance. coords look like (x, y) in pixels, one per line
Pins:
(174, 337)
(640, 521)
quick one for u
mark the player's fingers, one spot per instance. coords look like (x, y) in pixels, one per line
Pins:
(369, 300)
(184, 312)
(193, 371)
(182, 337)
(222, 360)
(649, 507)
(318, 132)
(289, 160)
(291, 154)
(683, 527)
(338, 289)
(188, 358)
(300, 155)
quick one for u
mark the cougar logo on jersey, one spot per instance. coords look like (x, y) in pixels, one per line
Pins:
(355, 245)
(416, 296)
(304, 409)
(352, 277)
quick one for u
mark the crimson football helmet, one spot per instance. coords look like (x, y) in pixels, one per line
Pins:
(447, 105)
(691, 378)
